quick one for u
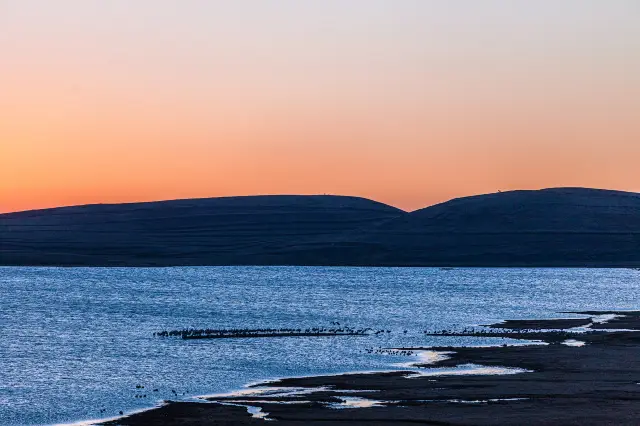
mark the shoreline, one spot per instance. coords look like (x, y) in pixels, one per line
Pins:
(635, 266)
(557, 383)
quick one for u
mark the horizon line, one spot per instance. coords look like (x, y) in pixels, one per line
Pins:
(309, 195)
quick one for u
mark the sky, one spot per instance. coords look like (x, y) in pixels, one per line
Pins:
(409, 102)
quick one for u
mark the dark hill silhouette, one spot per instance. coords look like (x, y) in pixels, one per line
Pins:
(552, 227)
(559, 226)
(546, 210)
(214, 231)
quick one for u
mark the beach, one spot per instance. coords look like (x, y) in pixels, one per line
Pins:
(584, 373)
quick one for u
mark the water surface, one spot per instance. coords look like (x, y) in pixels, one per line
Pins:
(75, 341)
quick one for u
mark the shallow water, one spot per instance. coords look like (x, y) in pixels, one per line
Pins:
(77, 341)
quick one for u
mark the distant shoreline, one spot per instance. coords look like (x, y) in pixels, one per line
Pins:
(631, 266)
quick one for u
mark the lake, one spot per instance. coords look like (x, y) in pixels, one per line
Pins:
(75, 341)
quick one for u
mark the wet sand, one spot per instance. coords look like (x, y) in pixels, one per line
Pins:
(594, 384)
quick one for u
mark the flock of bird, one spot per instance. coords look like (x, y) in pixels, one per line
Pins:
(394, 352)
(335, 330)
(209, 333)
(467, 331)
(484, 332)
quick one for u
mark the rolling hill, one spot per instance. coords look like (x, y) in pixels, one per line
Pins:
(551, 227)
(214, 231)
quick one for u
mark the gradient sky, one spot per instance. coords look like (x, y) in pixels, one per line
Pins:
(409, 102)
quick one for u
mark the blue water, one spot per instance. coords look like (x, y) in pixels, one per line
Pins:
(75, 341)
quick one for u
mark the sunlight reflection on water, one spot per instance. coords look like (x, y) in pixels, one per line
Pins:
(79, 340)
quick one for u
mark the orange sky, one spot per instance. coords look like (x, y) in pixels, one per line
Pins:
(407, 102)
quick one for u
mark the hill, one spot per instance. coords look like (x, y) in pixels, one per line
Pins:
(551, 227)
(216, 231)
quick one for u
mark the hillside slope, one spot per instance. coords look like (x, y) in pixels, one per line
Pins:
(552, 227)
(559, 226)
(216, 231)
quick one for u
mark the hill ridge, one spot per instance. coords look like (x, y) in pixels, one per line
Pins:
(554, 226)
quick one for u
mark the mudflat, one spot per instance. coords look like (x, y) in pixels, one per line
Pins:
(575, 378)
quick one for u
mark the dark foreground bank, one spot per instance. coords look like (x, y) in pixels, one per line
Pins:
(597, 383)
